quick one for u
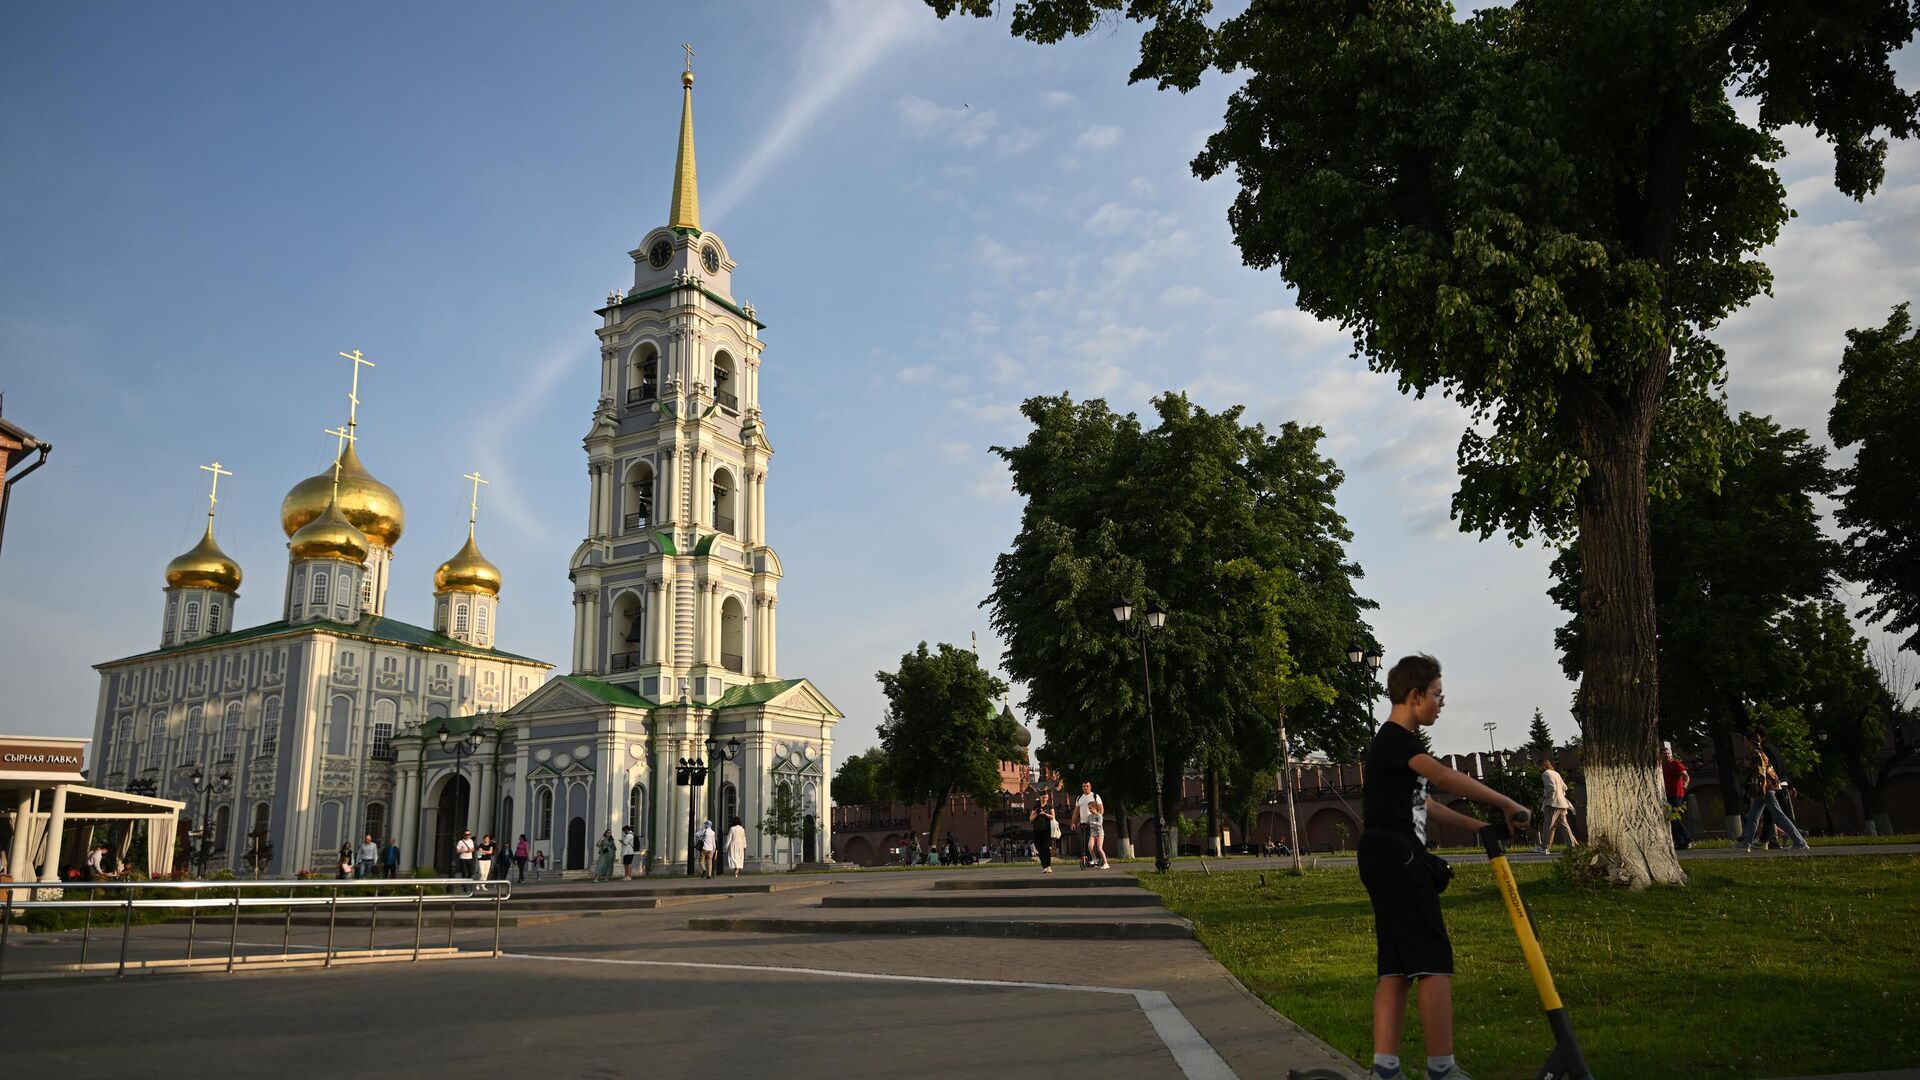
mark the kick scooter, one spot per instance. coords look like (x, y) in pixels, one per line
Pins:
(1566, 1062)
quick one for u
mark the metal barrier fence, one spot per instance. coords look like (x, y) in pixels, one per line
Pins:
(495, 892)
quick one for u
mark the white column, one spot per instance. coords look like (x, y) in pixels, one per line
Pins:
(56, 824)
(484, 822)
(669, 509)
(760, 507)
(17, 851)
(403, 808)
(773, 640)
(592, 502)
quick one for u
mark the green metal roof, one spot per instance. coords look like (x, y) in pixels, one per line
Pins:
(607, 692)
(662, 290)
(365, 628)
(754, 693)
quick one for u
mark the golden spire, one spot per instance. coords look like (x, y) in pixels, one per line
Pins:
(371, 505)
(685, 211)
(468, 570)
(206, 566)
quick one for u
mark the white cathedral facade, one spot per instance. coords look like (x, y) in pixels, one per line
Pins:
(336, 721)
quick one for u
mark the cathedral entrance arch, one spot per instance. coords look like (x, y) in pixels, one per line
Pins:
(577, 844)
(449, 819)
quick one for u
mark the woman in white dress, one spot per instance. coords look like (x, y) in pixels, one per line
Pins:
(736, 846)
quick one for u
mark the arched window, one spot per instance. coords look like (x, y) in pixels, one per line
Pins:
(543, 826)
(366, 593)
(213, 617)
(643, 378)
(637, 513)
(724, 390)
(385, 713)
(480, 619)
(261, 817)
(729, 805)
(637, 813)
(377, 822)
(222, 828)
(723, 500)
(319, 588)
(460, 617)
(630, 623)
(192, 623)
(230, 732)
(440, 617)
(190, 738)
(270, 724)
(733, 634)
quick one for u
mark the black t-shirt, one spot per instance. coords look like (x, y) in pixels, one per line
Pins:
(1393, 795)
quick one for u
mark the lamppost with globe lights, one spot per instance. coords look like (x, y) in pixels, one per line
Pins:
(1154, 618)
(461, 747)
(206, 787)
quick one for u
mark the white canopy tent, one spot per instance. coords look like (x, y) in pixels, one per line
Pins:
(50, 809)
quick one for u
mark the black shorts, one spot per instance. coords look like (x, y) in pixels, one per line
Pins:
(626, 860)
(1410, 935)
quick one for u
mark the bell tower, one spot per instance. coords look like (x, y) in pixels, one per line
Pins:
(675, 588)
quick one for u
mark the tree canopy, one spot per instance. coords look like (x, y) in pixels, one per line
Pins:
(941, 733)
(1540, 211)
(1234, 531)
(863, 778)
(1876, 408)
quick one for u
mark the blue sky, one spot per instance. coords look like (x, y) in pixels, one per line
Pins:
(200, 206)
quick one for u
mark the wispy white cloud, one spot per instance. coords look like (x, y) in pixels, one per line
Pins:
(506, 490)
(1099, 137)
(1057, 99)
(841, 48)
(1301, 330)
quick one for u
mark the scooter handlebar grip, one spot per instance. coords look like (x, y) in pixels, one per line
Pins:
(1493, 838)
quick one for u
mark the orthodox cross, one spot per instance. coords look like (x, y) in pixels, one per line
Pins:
(473, 507)
(345, 435)
(689, 48)
(213, 494)
(353, 395)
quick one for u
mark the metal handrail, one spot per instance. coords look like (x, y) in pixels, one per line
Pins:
(496, 892)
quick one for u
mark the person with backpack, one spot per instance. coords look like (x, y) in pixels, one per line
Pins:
(1046, 829)
(463, 855)
(1763, 793)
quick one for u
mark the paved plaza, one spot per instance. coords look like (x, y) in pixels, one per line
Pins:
(626, 987)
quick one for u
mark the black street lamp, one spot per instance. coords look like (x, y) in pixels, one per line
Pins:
(207, 787)
(1369, 658)
(720, 754)
(1155, 618)
(461, 748)
(691, 774)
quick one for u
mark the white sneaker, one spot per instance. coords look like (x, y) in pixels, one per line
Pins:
(1104, 866)
(1453, 1072)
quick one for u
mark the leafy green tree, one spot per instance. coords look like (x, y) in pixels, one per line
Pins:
(863, 779)
(1877, 408)
(1845, 707)
(1231, 528)
(942, 733)
(1540, 211)
(783, 817)
(1729, 561)
(1520, 781)
(1539, 737)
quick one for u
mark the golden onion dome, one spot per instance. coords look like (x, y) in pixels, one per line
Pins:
(330, 536)
(467, 571)
(370, 505)
(204, 567)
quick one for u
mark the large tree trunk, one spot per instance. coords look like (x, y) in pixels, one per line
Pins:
(1620, 692)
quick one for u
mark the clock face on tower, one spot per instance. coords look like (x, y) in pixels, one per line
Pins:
(710, 258)
(659, 254)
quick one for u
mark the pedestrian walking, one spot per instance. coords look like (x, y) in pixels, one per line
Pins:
(603, 858)
(463, 854)
(483, 856)
(709, 848)
(1674, 777)
(1403, 879)
(1554, 806)
(1091, 814)
(390, 858)
(369, 857)
(520, 858)
(1763, 792)
(736, 846)
(1046, 829)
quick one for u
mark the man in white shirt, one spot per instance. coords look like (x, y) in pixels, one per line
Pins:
(1090, 813)
(463, 854)
(369, 855)
(626, 850)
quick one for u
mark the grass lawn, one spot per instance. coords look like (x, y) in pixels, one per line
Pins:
(1758, 968)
